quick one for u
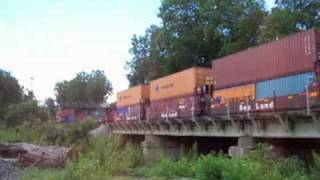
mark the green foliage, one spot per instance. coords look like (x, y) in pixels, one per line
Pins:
(25, 111)
(38, 174)
(146, 62)
(37, 132)
(291, 16)
(193, 32)
(210, 167)
(51, 107)
(259, 165)
(84, 88)
(105, 157)
(10, 90)
(169, 169)
(315, 170)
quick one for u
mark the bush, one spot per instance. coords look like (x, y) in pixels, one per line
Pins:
(105, 156)
(315, 170)
(26, 111)
(211, 167)
(169, 169)
(45, 133)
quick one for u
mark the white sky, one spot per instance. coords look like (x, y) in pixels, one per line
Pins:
(52, 40)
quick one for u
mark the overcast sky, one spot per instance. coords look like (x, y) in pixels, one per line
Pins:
(52, 40)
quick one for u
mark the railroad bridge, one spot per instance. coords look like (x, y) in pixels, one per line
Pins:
(167, 136)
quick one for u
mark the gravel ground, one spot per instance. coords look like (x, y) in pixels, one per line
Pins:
(8, 171)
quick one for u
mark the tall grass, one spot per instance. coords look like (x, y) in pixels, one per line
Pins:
(107, 156)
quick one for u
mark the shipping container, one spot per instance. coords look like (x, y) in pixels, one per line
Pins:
(110, 114)
(132, 112)
(132, 96)
(237, 93)
(296, 101)
(180, 83)
(179, 107)
(284, 86)
(272, 104)
(290, 55)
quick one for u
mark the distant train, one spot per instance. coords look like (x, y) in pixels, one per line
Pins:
(278, 76)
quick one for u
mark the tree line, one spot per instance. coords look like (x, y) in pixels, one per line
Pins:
(193, 32)
(18, 105)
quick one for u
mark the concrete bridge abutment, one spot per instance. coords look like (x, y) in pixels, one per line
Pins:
(244, 146)
(155, 146)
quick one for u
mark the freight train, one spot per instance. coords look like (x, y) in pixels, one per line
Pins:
(281, 75)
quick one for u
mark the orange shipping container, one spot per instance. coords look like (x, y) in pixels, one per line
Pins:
(236, 93)
(132, 95)
(180, 83)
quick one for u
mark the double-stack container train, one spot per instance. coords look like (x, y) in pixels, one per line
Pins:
(281, 75)
(176, 95)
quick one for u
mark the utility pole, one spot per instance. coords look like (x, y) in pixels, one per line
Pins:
(31, 83)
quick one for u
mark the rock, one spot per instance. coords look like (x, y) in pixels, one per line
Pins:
(100, 131)
(38, 156)
(8, 171)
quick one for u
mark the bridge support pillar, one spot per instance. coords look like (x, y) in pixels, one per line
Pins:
(156, 146)
(245, 145)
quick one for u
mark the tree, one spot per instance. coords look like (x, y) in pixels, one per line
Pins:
(25, 111)
(50, 106)
(147, 52)
(10, 90)
(194, 32)
(291, 16)
(243, 27)
(91, 87)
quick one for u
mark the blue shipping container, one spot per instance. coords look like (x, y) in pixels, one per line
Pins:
(284, 86)
(122, 110)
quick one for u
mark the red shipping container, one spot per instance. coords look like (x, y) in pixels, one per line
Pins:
(179, 107)
(293, 54)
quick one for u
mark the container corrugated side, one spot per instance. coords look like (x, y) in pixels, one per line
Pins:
(180, 83)
(132, 112)
(178, 107)
(289, 55)
(317, 45)
(132, 95)
(235, 93)
(284, 86)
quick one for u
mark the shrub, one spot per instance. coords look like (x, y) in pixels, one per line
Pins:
(105, 156)
(16, 114)
(211, 167)
(315, 170)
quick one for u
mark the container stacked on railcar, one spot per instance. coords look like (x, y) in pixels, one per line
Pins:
(131, 103)
(175, 96)
(271, 77)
